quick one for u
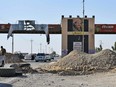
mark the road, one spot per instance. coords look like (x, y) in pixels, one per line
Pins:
(105, 79)
(36, 64)
(39, 64)
(33, 63)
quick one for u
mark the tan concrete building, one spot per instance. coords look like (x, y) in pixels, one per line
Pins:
(77, 34)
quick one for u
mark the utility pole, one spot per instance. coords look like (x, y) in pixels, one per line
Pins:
(31, 45)
(40, 47)
(83, 23)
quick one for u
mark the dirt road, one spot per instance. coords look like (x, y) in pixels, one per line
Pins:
(53, 80)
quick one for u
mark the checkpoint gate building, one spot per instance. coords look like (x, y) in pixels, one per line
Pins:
(74, 38)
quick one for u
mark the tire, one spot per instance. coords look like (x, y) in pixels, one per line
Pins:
(2, 64)
(7, 72)
(45, 60)
(36, 60)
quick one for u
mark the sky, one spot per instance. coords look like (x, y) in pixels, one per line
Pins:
(50, 12)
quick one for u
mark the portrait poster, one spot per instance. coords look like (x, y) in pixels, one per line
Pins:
(78, 24)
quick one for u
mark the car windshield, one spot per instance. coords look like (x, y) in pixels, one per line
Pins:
(40, 54)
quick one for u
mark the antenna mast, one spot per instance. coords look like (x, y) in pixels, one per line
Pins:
(83, 8)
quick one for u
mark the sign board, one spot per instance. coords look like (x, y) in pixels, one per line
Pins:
(4, 27)
(77, 46)
(77, 33)
(105, 28)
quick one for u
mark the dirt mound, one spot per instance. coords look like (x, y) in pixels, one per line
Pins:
(82, 63)
(12, 58)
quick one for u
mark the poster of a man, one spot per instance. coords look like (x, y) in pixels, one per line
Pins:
(77, 24)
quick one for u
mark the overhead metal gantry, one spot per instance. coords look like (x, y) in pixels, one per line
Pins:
(52, 28)
(29, 27)
(56, 29)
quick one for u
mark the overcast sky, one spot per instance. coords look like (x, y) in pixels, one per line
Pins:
(49, 12)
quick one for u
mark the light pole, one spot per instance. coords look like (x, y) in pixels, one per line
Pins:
(12, 43)
(101, 42)
(46, 49)
(40, 47)
(31, 45)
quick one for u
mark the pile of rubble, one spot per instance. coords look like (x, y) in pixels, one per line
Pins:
(82, 63)
(23, 68)
(12, 58)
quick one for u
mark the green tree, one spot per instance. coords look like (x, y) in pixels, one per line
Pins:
(54, 52)
(99, 48)
(114, 47)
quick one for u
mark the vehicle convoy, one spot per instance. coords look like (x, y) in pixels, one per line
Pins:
(42, 57)
(2, 61)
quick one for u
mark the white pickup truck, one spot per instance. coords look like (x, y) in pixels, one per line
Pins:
(2, 61)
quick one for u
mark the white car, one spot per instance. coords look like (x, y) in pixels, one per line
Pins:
(48, 57)
(2, 61)
(40, 57)
(28, 57)
(43, 57)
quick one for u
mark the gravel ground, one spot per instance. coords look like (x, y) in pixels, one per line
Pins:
(53, 80)
(106, 79)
